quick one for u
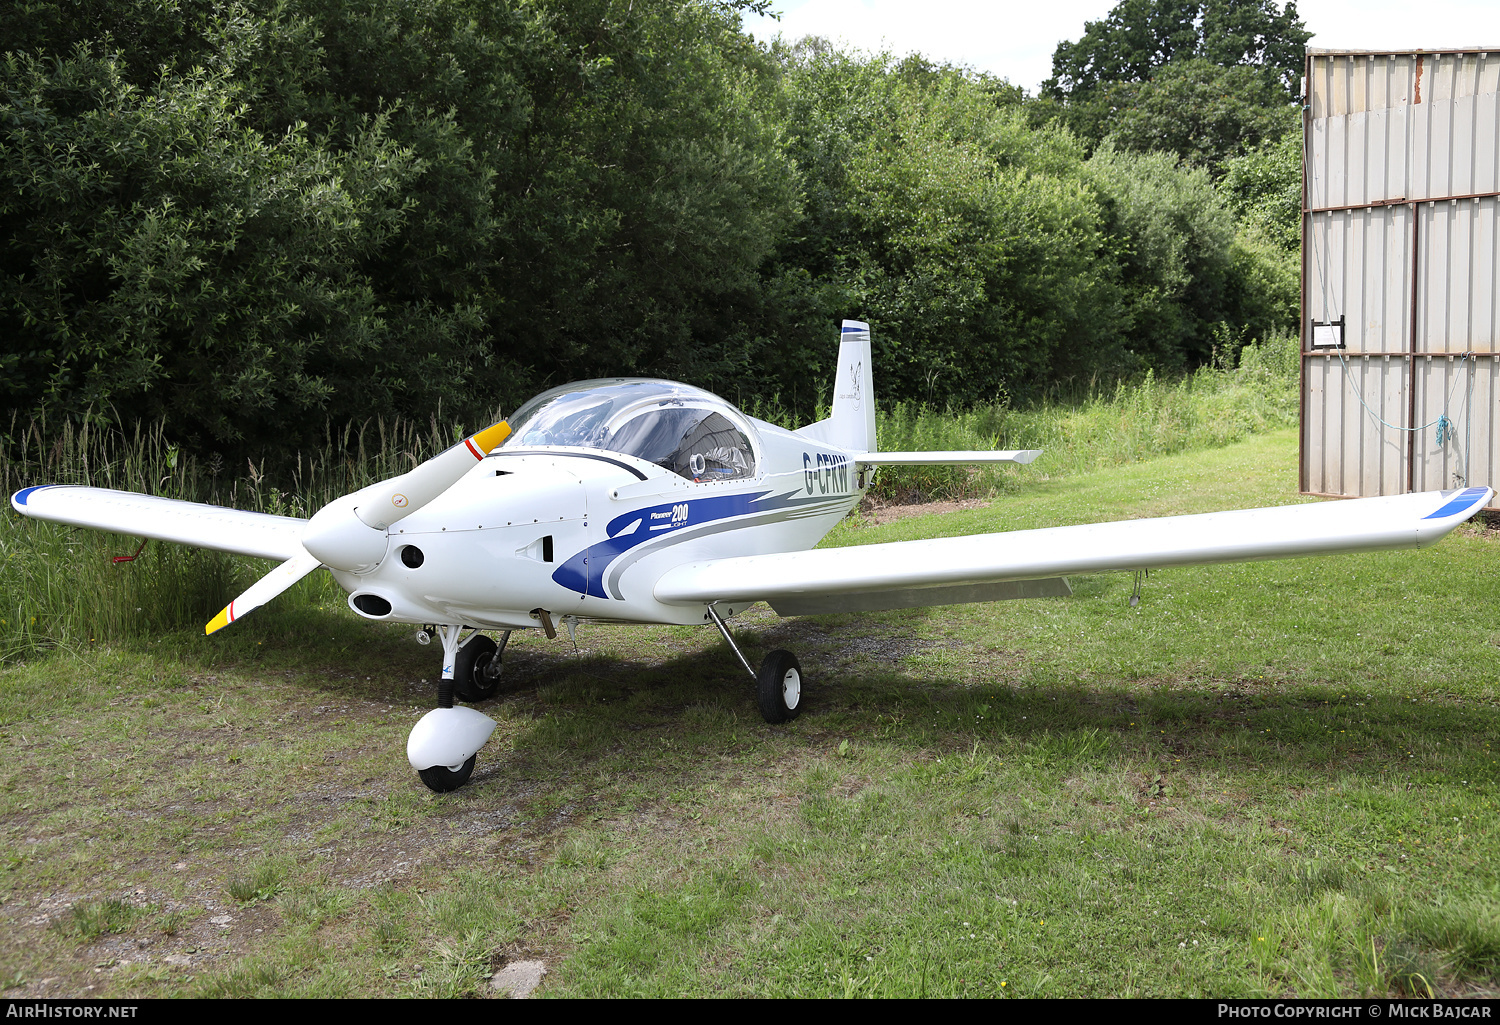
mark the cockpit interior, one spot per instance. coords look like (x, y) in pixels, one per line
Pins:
(686, 430)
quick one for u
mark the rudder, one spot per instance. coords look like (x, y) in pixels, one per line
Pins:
(852, 424)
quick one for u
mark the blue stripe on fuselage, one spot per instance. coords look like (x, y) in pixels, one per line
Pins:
(584, 572)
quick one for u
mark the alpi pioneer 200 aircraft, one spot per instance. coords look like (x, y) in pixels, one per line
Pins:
(639, 501)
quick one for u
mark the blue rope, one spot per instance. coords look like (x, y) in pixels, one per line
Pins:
(1442, 423)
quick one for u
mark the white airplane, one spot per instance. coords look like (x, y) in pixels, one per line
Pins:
(642, 501)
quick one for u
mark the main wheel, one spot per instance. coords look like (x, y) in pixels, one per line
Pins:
(471, 682)
(779, 684)
(442, 779)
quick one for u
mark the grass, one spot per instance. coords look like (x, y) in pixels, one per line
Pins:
(1267, 779)
(1120, 424)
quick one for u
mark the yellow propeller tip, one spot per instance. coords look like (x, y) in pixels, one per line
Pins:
(219, 622)
(492, 436)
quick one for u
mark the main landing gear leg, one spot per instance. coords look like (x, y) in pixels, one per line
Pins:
(778, 685)
(445, 743)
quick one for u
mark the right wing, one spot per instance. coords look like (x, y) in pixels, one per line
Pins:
(165, 519)
(983, 567)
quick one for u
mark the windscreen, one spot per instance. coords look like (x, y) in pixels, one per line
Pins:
(669, 424)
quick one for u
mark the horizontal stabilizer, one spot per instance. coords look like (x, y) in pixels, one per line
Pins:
(1322, 528)
(1020, 456)
(165, 519)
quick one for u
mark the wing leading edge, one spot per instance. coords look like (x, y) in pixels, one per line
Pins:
(165, 519)
(817, 580)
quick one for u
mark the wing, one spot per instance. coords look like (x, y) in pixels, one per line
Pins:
(165, 519)
(864, 576)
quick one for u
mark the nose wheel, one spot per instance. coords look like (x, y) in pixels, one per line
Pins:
(440, 779)
(476, 668)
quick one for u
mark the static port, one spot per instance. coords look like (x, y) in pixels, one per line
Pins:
(411, 556)
(372, 605)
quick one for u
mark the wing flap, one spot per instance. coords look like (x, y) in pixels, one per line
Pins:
(1368, 524)
(165, 519)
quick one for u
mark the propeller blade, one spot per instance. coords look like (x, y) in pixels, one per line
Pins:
(382, 504)
(264, 589)
(349, 533)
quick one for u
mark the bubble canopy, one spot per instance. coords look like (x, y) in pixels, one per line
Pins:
(687, 430)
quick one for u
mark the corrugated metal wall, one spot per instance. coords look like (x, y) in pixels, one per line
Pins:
(1400, 240)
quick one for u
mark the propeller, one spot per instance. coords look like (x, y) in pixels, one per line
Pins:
(349, 533)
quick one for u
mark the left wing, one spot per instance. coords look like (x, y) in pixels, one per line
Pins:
(986, 567)
(165, 519)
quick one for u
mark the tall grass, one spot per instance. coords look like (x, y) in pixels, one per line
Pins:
(1124, 423)
(145, 460)
(59, 587)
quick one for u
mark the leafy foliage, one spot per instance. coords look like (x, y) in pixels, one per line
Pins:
(1208, 81)
(1177, 263)
(1138, 37)
(268, 215)
(1204, 113)
(1264, 187)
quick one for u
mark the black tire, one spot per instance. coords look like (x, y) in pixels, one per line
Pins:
(441, 779)
(779, 684)
(469, 681)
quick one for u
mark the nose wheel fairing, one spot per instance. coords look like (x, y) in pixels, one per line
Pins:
(448, 739)
(444, 744)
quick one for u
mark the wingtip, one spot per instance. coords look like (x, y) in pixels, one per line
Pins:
(20, 499)
(220, 621)
(1462, 505)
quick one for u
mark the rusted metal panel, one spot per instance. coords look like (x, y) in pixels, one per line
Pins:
(1401, 239)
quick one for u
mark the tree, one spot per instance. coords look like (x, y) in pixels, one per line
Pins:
(1204, 113)
(1177, 262)
(253, 216)
(1138, 37)
(1264, 186)
(969, 238)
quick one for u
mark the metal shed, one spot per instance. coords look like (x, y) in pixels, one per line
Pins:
(1400, 274)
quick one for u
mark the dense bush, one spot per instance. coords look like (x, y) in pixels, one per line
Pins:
(250, 217)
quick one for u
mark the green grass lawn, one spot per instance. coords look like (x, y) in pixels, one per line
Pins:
(1267, 779)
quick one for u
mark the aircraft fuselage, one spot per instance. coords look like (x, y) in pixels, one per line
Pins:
(586, 533)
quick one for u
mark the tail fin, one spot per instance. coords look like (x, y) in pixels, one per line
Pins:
(852, 425)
